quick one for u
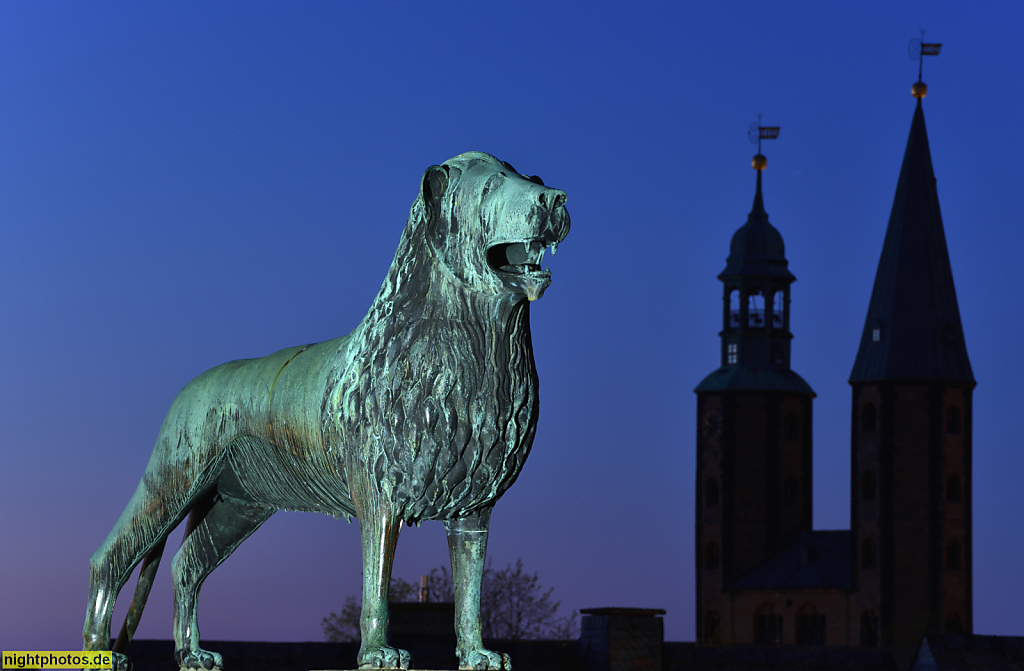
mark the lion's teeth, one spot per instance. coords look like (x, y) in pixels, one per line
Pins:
(554, 248)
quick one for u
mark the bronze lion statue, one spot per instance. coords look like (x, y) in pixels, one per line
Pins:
(426, 411)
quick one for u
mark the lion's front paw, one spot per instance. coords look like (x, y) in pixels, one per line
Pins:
(484, 660)
(120, 662)
(198, 659)
(384, 657)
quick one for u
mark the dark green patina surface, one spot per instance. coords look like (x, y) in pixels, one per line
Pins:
(426, 411)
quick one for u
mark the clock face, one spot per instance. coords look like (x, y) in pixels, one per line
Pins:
(711, 425)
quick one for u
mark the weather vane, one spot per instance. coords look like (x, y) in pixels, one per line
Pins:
(756, 132)
(917, 50)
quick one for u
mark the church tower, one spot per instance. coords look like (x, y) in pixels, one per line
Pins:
(754, 426)
(911, 427)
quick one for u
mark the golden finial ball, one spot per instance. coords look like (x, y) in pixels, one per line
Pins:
(919, 90)
(759, 162)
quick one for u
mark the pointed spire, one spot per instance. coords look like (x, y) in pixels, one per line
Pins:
(913, 329)
(758, 209)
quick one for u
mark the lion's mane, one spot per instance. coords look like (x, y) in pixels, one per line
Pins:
(440, 409)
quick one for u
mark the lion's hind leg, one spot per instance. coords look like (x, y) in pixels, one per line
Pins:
(216, 526)
(147, 573)
(144, 524)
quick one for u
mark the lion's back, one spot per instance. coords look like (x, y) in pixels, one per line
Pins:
(234, 399)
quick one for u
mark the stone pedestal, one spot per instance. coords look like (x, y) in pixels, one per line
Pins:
(427, 631)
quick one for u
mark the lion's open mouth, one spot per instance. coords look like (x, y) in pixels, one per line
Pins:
(518, 258)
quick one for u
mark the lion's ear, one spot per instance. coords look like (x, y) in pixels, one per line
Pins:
(435, 182)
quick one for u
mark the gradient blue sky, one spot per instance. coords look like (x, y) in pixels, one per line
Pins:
(188, 183)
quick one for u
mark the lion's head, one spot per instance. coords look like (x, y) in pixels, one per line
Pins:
(442, 373)
(490, 226)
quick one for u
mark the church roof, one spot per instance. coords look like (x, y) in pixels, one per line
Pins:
(757, 248)
(913, 330)
(749, 378)
(809, 560)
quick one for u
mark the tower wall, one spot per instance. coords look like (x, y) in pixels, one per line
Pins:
(713, 613)
(912, 542)
(760, 462)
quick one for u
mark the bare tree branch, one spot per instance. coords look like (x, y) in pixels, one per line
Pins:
(513, 606)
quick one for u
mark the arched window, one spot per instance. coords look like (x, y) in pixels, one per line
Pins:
(867, 553)
(755, 309)
(868, 417)
(953, 559)
(867, 486)
(791, 492)
(711, 556)
(767, 626)
(810, 626)
(954, 624)
(734, 308)
(779, 309)
(953, 420)
(712, 628)
(869, 629)
(791, 427)
(953, 489)
(711, 492)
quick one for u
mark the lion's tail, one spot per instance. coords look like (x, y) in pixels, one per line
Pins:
(146, 575)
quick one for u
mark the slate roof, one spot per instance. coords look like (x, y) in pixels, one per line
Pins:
(953, 652)
(756, 248)
(809, 560)
(913, 303)
(748, 378)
